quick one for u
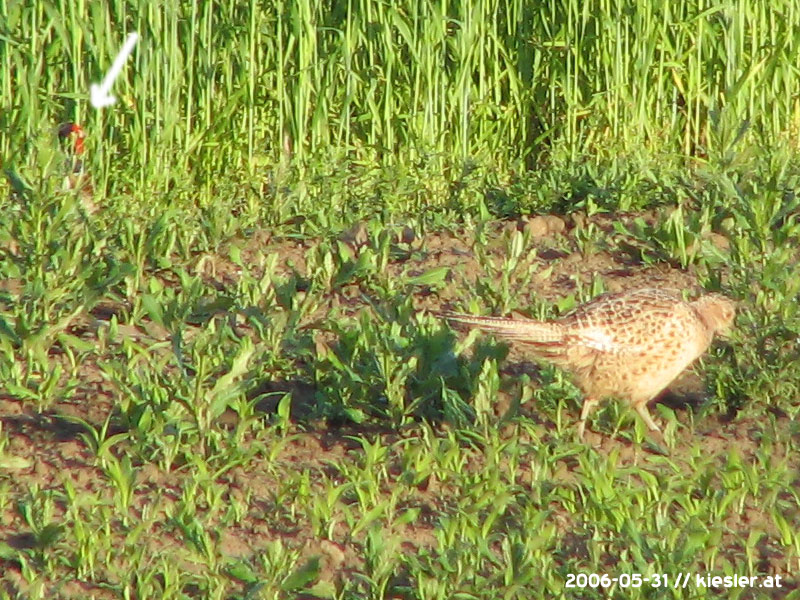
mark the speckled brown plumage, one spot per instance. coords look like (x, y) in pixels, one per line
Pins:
(629, 345)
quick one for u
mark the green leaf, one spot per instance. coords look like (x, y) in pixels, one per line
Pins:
(432, 277)
(243, 572)
(153, 309)
(285, 407)
(76, 343)
(7, 552)
(302, 576)
(226, 386)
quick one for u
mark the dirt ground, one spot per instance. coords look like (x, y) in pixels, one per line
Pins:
(56, 449)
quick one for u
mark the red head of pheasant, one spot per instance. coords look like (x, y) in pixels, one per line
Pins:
(73, 134)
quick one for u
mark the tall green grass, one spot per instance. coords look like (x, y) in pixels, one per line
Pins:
(220, 88)
(124, 330)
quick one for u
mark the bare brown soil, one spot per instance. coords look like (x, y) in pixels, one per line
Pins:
(58, 453)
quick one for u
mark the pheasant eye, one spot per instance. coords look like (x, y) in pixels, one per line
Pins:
(629, 345)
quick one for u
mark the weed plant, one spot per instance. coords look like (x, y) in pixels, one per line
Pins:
(225, 383)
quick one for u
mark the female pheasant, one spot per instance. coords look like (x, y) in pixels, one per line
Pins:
(628, 345)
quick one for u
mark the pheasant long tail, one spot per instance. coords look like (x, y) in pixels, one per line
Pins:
(539, 333)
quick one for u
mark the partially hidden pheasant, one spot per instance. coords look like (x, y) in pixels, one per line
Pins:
(628, 345)
(76, 178)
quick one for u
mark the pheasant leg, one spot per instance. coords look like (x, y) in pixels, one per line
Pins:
(645, 414)
(588, 405)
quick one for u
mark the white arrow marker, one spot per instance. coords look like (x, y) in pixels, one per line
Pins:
(99, 94)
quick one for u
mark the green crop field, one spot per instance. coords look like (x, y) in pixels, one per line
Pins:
(221, 372)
